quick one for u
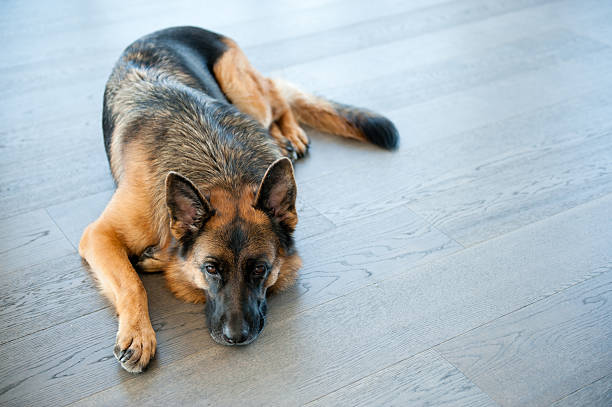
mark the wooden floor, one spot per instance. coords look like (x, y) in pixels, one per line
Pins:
(471, 267)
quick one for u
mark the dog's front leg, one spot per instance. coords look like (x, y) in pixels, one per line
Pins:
(107, 255)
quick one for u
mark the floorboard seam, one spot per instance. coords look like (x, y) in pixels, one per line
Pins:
(545, 297)
(399, 274)
(433, 226)
(368, 375)
(352, 24)
(522, 226)
(390, 366)
(44, 207)
(389, 41)
(311, 206)
(577, 390)
(378, 282)
(52, 326)
(466, 376)
(11, 272)
(367, 285)
(60, 229)
(433, 348)
(512, 117)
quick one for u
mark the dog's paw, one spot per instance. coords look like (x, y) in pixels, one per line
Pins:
(135, 345)
(292, 140)
(298, 139)
(152, 260)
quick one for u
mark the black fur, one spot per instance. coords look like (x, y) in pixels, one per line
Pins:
(191, 51)
(378, 129)
(238, 237)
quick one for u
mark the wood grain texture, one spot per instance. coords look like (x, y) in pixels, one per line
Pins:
(455, 74)
(551, 179)
(181, 328)
(46, 177)
(50, 65)
(504, 110)
(596, 394)
(41, 296)
(60, 364)
(568, 155)
(57, 44)
(310, 222)
(542, 352)
(389, 321)
(433, 48)
(74, 216)
(560, 86)
(378, 30)
(598, 28)
(30, 239)
(354, 255)
(423, 380)
(472, 109)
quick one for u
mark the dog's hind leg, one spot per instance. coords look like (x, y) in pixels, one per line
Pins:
(106, 245)
(258, 97)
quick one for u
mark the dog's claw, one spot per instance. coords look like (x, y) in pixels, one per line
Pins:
(291, 153)
(126, 355)
(135, 346)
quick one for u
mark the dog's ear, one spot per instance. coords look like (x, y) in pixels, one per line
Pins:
(277, 193)
(188, 208)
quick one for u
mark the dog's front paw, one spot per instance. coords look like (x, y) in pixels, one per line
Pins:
(135, 345)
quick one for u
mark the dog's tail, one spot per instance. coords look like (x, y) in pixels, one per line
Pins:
(338, 119)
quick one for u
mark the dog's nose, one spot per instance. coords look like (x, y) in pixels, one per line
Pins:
(235, 334)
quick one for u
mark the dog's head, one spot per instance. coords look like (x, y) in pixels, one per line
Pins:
(233, 246)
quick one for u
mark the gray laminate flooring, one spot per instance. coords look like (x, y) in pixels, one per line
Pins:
(472, 267)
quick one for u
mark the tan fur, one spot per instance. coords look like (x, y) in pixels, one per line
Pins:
(258, 97)
(122, 230)
(185, 280)
(277, 104)
(285, 275)
(316, 112)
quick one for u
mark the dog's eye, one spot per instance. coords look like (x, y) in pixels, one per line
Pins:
(211, 269)
(260, 269)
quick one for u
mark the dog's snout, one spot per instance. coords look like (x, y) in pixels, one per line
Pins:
(233, 325)
(235, 331)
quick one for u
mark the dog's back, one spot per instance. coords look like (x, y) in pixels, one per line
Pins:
(164, 93)
(163, 104)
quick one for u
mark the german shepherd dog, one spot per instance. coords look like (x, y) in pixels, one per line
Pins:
(201, 146)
